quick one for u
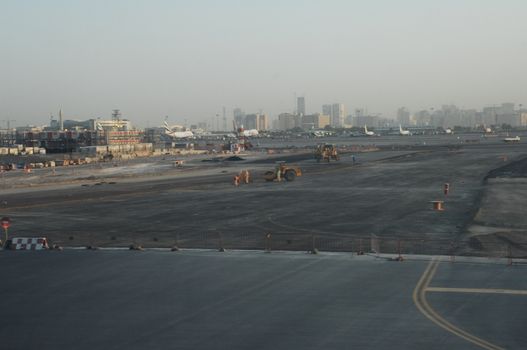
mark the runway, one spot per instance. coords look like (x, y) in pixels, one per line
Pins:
(250, 300)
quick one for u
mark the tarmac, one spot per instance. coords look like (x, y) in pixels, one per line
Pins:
(191, 299)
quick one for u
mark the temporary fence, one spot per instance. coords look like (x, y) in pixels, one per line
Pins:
(359, 244)
(373, 244)
(378, 245)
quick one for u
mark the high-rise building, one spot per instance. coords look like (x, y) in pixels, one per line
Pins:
(366, 120)
(323, 121)
(403, 116)
(275, 124)
(507, 108)
(263, 122)
(337, 112)
(523, 118)
(61, 121)
(326, 110)
(422, 118)
(315, 121)
(308, 122)
(251, 121)
(508, 115)
(288, 121)
(224, 119)
(504, 114)
(239, 117)
(490, 116)
(301, 105)
(337, 115)
(348, 121)
(255, 121)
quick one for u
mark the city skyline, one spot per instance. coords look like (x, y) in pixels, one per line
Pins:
(413, 116)
(334, 115)
(187, 61)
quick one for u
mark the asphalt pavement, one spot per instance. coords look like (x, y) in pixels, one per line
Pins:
(249, 300)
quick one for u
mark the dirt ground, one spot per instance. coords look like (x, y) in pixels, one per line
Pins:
(335, 206)
(502, 216)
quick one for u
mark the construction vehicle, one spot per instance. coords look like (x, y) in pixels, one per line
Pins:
(287, 172)
(107, 157)
(325, 151)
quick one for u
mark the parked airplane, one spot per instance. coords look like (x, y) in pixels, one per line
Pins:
(448, 131)
(404, 132)
(250, 132)
(175, 132)
(321, 133)
(512, 139)
(242, 132)
(368, 133)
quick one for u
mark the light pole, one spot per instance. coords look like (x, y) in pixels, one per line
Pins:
(520, 116)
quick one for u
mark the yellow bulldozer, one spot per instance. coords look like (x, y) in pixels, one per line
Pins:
(326, 151)
(283, 171)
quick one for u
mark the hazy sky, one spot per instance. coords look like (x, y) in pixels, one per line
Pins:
(187, 59)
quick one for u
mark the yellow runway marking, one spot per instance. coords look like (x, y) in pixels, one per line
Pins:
(419, 297)
(477, 290)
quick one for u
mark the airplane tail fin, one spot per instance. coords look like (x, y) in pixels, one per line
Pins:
(167, 128)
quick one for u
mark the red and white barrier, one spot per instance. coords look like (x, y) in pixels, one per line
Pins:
(33, 243)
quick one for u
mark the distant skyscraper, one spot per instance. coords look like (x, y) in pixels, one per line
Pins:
(263, 122)
(301, 105)
(403, 116)
(365, 120)
(326, 110)
(337, 115)
(239, 117)
(288, 121)
(251, 121)
(256, 121)
(61, 121)
(314, 121)
(224, 119)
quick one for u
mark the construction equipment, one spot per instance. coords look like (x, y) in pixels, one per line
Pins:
(326, 151)
(282, 170)
(107, 157)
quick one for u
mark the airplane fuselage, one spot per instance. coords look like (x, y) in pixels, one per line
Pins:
(404, 132)
(512, 139)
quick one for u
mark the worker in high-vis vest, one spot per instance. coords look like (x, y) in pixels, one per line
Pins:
(247, 177)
